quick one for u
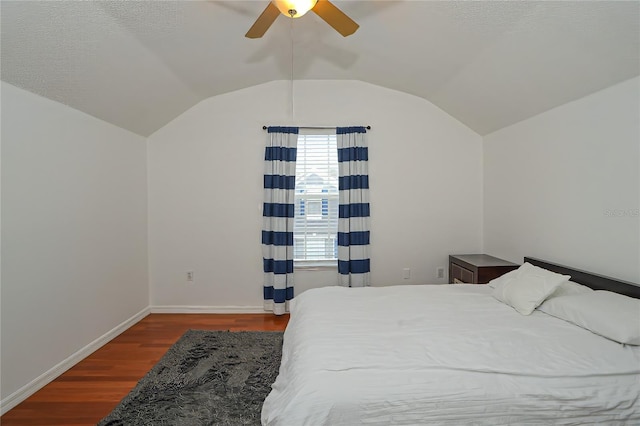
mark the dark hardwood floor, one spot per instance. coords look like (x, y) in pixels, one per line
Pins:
(92, 388)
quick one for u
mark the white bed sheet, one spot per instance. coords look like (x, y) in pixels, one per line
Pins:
(444, 354)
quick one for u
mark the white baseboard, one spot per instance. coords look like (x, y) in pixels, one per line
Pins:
(47, 377)
(177, 309)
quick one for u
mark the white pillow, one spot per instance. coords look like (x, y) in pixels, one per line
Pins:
(568, 288)
(611, 315)
(528, 288)
(502, 278)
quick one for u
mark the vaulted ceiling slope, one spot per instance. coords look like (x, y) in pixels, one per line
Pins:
(139, 64)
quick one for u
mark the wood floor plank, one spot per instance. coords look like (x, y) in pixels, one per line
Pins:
(91, 389)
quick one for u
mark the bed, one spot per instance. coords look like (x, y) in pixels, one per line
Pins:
(454, 354)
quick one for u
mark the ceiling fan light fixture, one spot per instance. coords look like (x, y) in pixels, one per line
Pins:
(294, 8)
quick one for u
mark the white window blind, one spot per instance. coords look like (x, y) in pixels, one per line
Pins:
(316, 200)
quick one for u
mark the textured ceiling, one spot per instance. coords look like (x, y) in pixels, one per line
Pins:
(490, 64)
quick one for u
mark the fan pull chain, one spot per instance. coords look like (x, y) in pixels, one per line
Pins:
(292, 12)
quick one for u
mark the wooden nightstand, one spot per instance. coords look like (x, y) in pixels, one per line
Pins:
(477, 268)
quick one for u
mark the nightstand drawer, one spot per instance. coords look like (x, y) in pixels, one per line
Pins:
(461, 275)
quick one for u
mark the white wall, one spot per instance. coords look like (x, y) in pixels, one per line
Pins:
(205, 188)
(74, 256)
(565, 185)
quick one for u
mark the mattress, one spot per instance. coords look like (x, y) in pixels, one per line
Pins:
(444, 354)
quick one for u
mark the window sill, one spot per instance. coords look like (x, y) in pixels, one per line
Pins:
(315, 265)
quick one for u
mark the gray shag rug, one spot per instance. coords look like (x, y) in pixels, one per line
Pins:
(205, 378)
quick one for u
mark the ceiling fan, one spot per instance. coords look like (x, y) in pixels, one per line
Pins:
(296, 8)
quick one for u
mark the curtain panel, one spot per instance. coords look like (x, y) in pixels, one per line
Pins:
(353, 214)
(278, 216)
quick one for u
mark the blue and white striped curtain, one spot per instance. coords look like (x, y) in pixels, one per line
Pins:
(353, 220)
(277, 217)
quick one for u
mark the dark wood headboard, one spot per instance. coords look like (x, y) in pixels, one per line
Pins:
(596, 282)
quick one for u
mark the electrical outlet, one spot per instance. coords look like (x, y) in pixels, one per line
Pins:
(190, 276)
(406, 273)
(440, 272)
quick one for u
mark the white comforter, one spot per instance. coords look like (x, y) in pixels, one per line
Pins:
(444, 354)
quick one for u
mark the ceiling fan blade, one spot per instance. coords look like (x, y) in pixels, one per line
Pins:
(335, 17)
(263, 22)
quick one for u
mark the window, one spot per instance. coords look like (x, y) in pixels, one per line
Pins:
(316, 200)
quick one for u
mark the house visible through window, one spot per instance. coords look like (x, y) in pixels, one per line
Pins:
(316, 200)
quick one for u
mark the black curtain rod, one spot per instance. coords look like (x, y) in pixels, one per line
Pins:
(317, 127)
